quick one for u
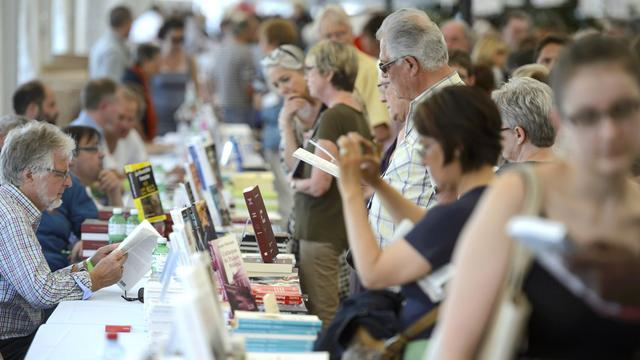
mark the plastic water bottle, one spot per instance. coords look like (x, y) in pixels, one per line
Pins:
(117, 226)
(132, 221)
(113, 349)
(237, 153)
(160, 254)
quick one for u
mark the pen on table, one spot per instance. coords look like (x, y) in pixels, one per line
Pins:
(333, 159)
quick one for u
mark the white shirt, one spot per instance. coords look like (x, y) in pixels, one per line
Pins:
(129, 150)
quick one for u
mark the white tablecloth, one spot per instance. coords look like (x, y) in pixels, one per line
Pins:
(76, 329)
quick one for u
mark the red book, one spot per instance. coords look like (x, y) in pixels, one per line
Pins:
(93, 244)
(94, 226)
(290, 290)
(261, 224)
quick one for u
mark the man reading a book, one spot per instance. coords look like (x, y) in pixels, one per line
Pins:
(34, 168)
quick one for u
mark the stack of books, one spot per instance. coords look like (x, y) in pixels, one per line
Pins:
(286, 294)
(281, 266)
(277, 332)
(94, 235)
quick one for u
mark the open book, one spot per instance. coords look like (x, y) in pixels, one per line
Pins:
(315, 160)
(139, 246)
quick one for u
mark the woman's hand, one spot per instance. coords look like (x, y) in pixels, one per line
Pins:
(356, 165)
(292, 105)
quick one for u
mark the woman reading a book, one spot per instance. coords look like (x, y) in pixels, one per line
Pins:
(459, 131)
(330, 72)
(597, 93)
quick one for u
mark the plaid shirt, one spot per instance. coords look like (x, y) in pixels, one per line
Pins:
(406, 173)
(27, 285)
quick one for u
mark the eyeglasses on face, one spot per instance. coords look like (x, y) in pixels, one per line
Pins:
(621, 110)
(384, 68)
(59, 173)
(90, 149)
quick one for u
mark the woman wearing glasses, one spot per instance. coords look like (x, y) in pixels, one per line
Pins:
(459, 130)
(597, 91)
(330, 73)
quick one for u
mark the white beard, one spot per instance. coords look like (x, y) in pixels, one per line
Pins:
(44, 199)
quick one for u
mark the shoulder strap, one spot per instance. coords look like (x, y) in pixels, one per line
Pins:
(394, 345)
(521, 256)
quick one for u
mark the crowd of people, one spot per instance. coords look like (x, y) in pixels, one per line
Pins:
(451, 129)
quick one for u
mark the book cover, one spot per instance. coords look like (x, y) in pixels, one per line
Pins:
(207, 228)
(212, 158)
(144, 190)
(261, 224)
(220, 205)
(228, 261)
(192, 228)
(316, 161)
(94, 226)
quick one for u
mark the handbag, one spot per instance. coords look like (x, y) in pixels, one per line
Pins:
(511, 313)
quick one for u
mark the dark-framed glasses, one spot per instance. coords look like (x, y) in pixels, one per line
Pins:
(384, 68)
(59, 173)
(621, 110)
(90, 149)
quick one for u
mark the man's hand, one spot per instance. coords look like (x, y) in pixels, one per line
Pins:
(110, 183)
(108, 271)
(102, 252)
(76, 252)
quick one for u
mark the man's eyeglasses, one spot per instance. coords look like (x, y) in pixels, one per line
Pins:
(505, 129)
(59, 173)
(91, 149)
(621, 110)
(385, 67)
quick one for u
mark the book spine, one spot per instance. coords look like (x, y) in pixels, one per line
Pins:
(93, 244)
(261, 224)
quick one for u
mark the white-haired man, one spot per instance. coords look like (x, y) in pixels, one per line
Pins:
(527, 132)
(413, 58)
(34, 164)
(333, 24)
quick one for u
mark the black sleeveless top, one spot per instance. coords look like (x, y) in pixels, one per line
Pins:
(562, 326)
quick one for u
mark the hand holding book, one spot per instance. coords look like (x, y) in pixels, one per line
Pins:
(358, 161)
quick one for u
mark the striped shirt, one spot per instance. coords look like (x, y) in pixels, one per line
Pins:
(27, 285)
(406, 173)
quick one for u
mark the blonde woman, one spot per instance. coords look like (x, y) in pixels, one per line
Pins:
(493, 52)
(330, 72)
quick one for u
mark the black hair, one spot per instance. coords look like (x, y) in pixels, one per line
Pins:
(119, 16)
(464, 119)
(592, 50)
(170, 24)
(146, 52)
(27, 93)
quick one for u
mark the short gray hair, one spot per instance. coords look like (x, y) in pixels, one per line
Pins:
(10, 122)
(466, 29)
(334, 13)
(31, 147)
(411, 32)
(526, 103)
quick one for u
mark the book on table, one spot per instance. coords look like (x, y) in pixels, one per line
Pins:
(226, 261)
(138, 246)
(144, 190)
(261, 224)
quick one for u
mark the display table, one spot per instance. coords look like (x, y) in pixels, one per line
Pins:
(76, 329)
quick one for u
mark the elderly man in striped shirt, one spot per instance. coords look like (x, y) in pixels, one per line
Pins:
(34, 168)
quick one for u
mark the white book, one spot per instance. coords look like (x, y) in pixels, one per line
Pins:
(316, 161)
(139, 247)
(94, 236)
